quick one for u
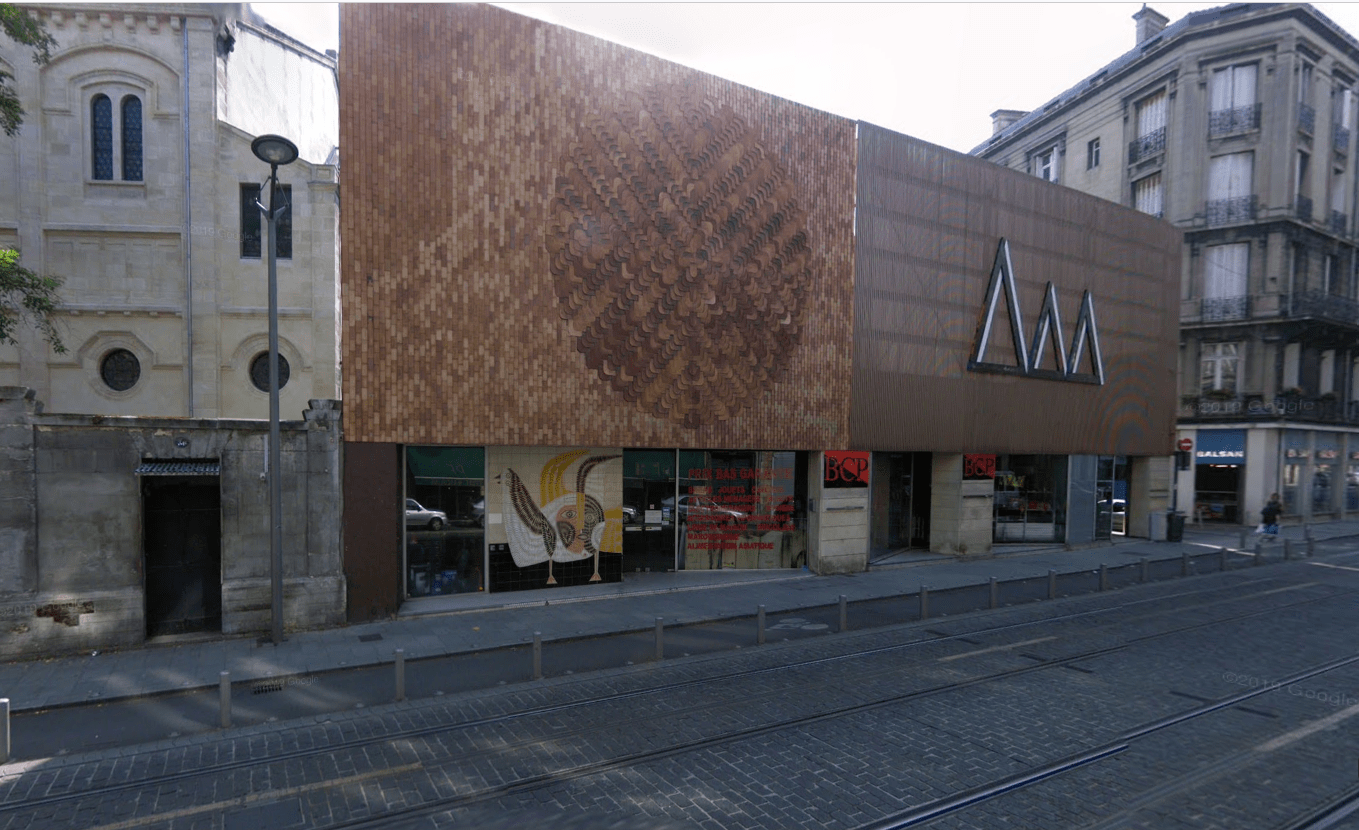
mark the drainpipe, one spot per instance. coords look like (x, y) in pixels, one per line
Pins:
(188, 225)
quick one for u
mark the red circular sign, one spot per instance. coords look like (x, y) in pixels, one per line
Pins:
(1186, 444)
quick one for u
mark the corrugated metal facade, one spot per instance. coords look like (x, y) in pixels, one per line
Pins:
(928, 229)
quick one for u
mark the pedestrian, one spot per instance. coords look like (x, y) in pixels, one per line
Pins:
(1269, 516)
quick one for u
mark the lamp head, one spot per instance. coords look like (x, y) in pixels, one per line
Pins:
(274, 150)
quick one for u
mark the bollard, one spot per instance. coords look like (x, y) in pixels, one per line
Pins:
(1142, 577)
(924, 602)
(1259, 556)
(1311, 548)
(660, 638)
(844, 613)
(400, 674)
(224, 693)
(1307, 531)
(759, 626)
(1222, 562)
(537, 655)
(1242, 546)
(4, 730)
(1184, 564)
(1288, 549)
(1052, 584)
(995, 593)
(1103, 577)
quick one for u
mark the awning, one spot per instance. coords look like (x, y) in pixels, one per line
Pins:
(187, 467)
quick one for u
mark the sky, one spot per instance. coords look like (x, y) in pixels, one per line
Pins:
(935, 71)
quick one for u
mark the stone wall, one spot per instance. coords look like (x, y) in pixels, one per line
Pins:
(72, 563)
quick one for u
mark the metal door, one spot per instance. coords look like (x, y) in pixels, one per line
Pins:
(183, 549)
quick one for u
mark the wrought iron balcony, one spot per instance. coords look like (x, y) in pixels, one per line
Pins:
(1307, 119)
(1147, 145)
(1231, 211)
(1237, 120)
(1303, 209)
(1218, 309)
(1320, 306)
(1338, 223)
(1341, 142)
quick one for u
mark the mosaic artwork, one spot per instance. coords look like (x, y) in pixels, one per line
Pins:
(680, 255)
(572, 524)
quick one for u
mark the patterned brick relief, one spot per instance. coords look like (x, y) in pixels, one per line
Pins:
(679, 254)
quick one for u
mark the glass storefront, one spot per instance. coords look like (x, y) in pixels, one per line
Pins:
(648, 523)
(1295, 454)
(445, 520)
(900, 501)
(1111, 497)
(741, 509)
(1030, 498)
(1326, 457)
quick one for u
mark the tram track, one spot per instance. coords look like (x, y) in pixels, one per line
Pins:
(528, 783)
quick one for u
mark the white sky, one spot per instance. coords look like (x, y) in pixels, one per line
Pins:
(935, 71)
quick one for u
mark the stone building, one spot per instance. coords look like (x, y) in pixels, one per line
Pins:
(133, 498)
(1236, 124)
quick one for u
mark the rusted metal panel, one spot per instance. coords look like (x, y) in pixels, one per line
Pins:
(372, 529)
(928, 252)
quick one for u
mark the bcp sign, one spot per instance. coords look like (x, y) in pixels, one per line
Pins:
(846, 469)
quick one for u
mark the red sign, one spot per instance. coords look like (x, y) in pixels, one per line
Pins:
(977, 467)
(1186, 445)
(846, 469)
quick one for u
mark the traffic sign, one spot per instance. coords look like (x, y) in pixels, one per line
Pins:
(1186, 445)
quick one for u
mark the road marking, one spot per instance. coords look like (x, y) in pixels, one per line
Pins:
(1315, 726)
(1337, 567)
(994, 648)
(253, 798)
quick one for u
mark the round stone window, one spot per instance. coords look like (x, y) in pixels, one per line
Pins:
(120, 370)
(259, 371)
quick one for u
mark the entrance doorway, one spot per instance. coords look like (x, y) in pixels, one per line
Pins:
(648, 511)
(901, 501)
(183, 549)
(1217, 489)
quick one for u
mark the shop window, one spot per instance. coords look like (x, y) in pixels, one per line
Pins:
(1352, 483)
(741, 509)
(445, 515)
(1030, 498)
(252, 222)
(1219, 367)
(1321, 488)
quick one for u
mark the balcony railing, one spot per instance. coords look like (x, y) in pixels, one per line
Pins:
(1218, 309)
(1231, 211)
(1320, 306)
(1337, 223)
(1147, 145)
(1303, 210)
(1221, 406)
(1341, 140)
(1238, 120)
(1307, 119)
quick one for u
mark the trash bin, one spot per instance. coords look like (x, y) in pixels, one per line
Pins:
(1174, 527)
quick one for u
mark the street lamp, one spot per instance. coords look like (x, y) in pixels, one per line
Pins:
(274, 150)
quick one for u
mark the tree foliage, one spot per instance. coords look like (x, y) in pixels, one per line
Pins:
(27, 297)
(26, 31)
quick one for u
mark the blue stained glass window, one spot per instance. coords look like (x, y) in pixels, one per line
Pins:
(101, 128)
(132, 139)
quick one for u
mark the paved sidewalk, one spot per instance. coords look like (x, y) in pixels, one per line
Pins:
(459, 624)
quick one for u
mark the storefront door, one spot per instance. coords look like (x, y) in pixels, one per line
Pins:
(648, 511)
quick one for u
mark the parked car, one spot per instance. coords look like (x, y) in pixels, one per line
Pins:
(703, 508)
(630, 515)
(419, 516)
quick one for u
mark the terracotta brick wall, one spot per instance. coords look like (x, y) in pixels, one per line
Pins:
(554, 240)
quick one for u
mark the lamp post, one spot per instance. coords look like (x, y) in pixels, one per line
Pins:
(274, 150)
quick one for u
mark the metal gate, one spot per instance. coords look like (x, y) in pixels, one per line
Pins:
(183, 549)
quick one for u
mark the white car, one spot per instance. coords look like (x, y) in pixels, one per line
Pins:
(418, 516)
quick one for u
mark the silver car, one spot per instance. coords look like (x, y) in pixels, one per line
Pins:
(418, 516)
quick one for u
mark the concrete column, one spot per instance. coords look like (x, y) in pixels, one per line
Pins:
(961, 511)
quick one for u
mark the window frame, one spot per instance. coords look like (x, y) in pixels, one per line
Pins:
(1092, 153)
(252, 230)
(125, 139)
(1214, 354)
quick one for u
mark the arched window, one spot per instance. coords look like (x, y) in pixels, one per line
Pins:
(101, 128)
(132, 139)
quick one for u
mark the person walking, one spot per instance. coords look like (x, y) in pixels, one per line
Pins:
(1269, 516)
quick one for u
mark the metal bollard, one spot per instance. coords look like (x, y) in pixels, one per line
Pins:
(4, 730)
(1222, 561)
(1142, 577)
(1242, 545)
(1052, 584)
(1311, 548)
(1184, 564)
(924, 602)
(400, 674)
(759, 626)
(1288, 549)
(995, 593)
(1103, 577)
(1307, 531)
(224, 694)
(844, 613)
(537, 655)
(660, 638)
(1259, 556)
